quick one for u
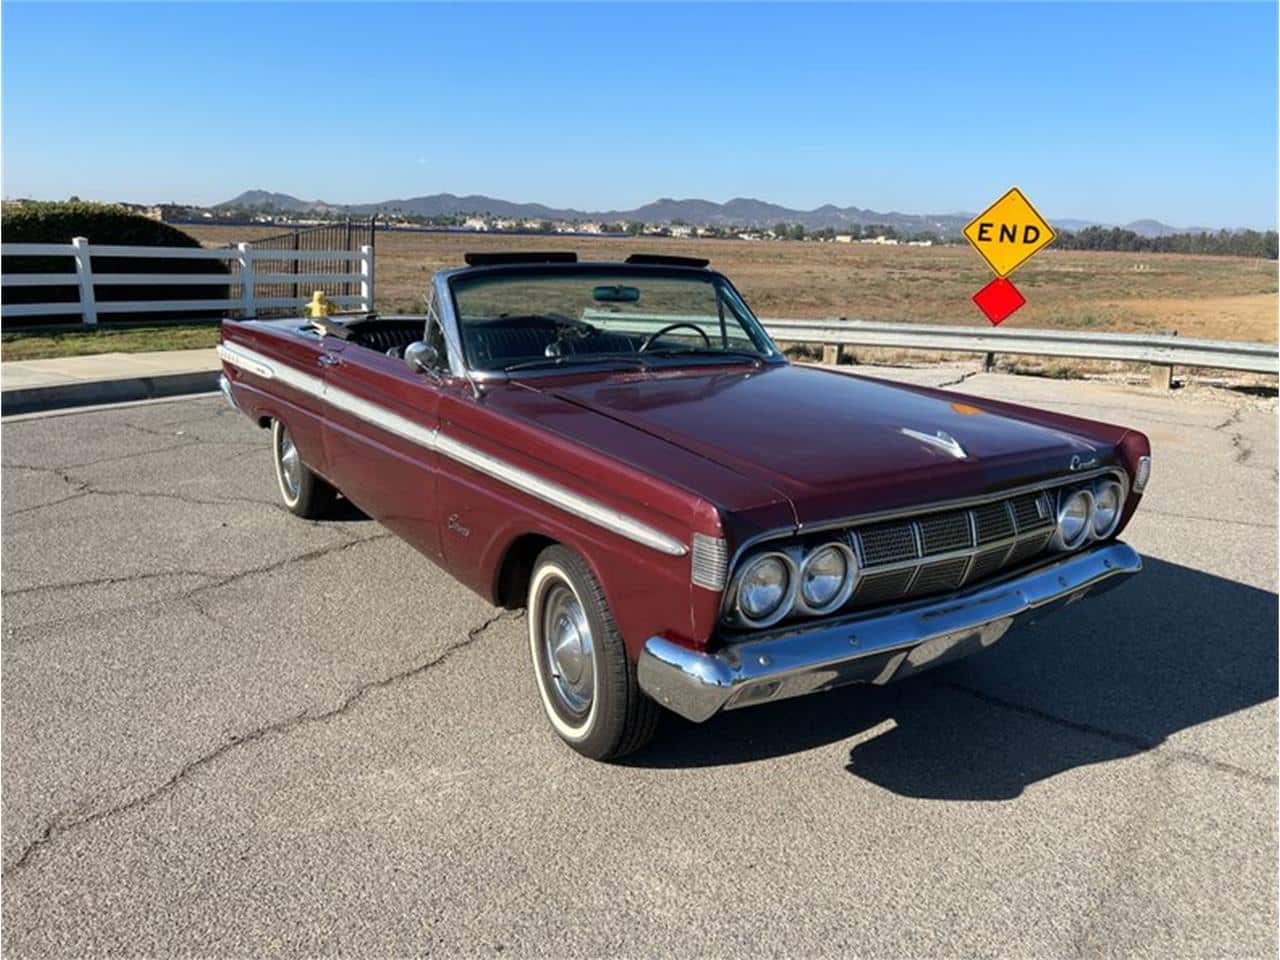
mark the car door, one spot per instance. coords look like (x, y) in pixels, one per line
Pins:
(379, 440)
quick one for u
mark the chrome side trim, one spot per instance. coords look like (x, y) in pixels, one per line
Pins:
(559, 496)
(874, 648)
(245, 360)
(432, 439)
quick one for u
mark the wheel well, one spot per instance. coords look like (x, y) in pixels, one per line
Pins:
(517, 568)
(264, 422)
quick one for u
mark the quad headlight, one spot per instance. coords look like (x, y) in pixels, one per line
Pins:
(1108, 501)
(813, 581)
(826, 578)
(765, 589)
(1075, 518)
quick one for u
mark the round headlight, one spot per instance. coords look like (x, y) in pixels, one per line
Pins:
(1107, 503)
(1075, 514)
(826, 578)
(764, 589)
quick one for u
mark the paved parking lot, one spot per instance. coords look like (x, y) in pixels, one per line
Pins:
(229, 731)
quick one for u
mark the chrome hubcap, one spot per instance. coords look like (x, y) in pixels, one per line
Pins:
(566, 636)
(290, 465)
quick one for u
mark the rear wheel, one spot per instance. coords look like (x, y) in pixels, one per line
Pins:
(304, 493)
(585, 679)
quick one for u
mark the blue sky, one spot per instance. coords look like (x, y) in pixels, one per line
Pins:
(1101, 112)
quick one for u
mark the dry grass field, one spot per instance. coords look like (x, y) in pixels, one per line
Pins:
(1227, 298)
(1218, 297)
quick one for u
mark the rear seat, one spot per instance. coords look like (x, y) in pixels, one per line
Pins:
(386, 335)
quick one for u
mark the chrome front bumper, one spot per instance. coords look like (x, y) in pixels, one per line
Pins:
(871, 648)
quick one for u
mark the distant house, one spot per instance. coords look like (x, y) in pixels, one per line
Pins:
(475, 223)
(681, 230)
(844, 238)
(919, 243)
(881, 240)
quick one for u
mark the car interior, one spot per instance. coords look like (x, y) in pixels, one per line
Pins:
(492, 344)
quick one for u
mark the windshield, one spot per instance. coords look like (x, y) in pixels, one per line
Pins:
(534, 320)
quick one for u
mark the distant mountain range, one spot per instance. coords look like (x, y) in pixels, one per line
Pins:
(739, 211)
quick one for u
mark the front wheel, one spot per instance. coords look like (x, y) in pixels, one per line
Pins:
(304, 493)
(585, 679)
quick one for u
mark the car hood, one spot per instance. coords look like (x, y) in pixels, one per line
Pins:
(836, 444)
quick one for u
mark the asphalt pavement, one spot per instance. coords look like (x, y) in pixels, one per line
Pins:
(227, 731)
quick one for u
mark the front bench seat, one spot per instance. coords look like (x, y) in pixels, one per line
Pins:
(501, 346)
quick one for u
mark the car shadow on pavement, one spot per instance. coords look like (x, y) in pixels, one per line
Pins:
(1101, 680)
(344, 511)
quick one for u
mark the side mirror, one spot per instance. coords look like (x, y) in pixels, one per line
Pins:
(422, 358)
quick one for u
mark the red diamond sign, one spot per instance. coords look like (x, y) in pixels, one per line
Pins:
(998, 300)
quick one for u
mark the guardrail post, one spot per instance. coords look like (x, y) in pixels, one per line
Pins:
(366, 278)
(1162, 376)
(247, 305)
(832, 353)
(84, 271)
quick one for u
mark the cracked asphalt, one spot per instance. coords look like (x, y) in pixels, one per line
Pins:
(227, 731)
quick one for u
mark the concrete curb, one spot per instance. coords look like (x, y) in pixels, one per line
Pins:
(90, 392)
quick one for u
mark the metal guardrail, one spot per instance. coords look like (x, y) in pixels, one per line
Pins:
(1161, 351)
(1157, 349)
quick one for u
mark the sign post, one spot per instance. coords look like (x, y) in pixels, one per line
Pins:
(1007, 234)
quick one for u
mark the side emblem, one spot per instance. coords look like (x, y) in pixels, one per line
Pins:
(1079, 463)
(941, 440)
(455, 524)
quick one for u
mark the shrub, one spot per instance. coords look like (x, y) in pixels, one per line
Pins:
(103, 224)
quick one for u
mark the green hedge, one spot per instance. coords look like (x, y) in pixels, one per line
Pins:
(101, 223)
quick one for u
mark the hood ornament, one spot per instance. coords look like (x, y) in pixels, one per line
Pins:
(941, 440)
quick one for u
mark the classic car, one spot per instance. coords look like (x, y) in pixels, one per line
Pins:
(691, 521)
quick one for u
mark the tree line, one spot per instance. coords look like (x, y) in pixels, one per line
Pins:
(1235, 243)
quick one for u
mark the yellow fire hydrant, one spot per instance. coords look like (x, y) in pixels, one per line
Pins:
(319, 306)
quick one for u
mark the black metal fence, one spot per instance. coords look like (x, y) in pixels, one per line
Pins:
(348, 235)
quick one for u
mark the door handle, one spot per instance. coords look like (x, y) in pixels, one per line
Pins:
(327, 360)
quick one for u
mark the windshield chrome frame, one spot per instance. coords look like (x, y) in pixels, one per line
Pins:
(446, 309)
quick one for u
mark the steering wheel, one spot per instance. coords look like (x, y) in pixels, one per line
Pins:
(648, 341)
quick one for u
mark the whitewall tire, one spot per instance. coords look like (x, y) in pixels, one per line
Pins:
(586, 682)
(304, 493)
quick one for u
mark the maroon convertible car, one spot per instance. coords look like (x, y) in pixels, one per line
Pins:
(691, 522)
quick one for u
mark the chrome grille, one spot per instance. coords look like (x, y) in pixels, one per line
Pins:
(993, 521)
(879, 587)
(944, 532)
(936, 551)
(1032, 511)
(942, 575)
(1028, 547)
(887, 544)
(945, 550)
(987, 562)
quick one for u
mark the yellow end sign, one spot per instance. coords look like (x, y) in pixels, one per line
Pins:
(1009, 232)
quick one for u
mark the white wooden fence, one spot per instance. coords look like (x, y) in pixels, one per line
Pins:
(242, 257)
